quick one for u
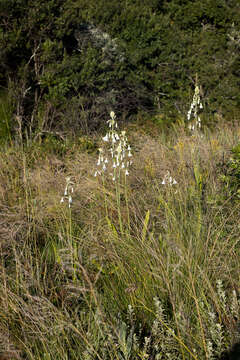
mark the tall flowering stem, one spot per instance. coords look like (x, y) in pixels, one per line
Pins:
(115, 159)
(196, 106)
(67, 197)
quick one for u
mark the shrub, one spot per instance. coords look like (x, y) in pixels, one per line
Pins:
(135, 56)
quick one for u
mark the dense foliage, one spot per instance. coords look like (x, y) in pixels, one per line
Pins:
(65, 63)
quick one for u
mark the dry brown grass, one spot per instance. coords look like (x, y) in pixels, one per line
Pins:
(56, 261)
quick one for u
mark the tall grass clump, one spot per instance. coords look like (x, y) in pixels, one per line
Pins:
(140, 261)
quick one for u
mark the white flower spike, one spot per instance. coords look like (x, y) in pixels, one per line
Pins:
(194, 110)
(119, 150)
(68, 189)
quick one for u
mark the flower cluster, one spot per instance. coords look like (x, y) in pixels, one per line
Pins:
(68, 190)
(168, 179)
(196, 105)
(120, 157)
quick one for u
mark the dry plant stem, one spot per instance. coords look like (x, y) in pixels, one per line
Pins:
(105, 196)
(71, 242)
(119, 207)
(25, 182)
(197, 307)
(126, 201)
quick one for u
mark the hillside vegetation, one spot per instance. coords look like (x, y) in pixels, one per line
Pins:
(119, 180)
(105, 261)
(66, 63)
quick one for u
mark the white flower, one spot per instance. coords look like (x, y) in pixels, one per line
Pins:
(62, 200)
(97, 173)
(168, 179)
(191, 127)
(106, 138)
(199, 122)
(112, 115)
(172, 181)
(126, 172)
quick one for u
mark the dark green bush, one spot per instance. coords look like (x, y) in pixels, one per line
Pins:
(67, 63)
